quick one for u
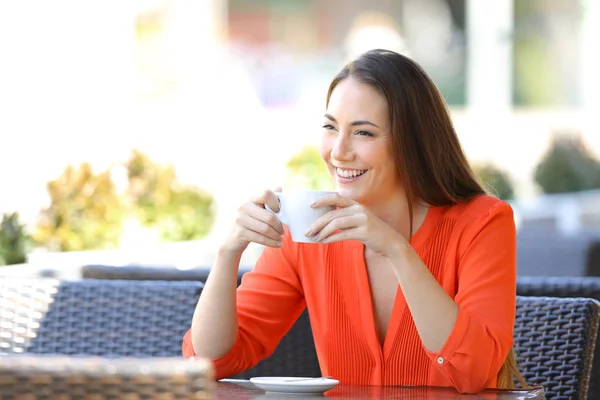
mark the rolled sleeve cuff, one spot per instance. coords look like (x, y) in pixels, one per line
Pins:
(187, 350)
(238, 359)
(444, 356)
(227, 365)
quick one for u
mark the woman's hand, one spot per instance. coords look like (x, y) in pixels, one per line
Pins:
(253, 223)
(351, 221)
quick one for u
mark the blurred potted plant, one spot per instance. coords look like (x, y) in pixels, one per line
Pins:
(14, 241)
(159, 201)
(307, 170)
(495, 180)
(568, 166)
(85, 212)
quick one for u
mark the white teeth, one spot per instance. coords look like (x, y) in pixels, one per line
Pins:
(350, 173)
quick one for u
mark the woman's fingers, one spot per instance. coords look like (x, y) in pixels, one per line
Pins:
(258, 226)
(327, 218)
(263, 215)
(333, 199)
(255, 237)
(347, 222)
(267, 198)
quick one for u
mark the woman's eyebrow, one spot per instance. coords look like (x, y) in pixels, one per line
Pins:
(353, 123)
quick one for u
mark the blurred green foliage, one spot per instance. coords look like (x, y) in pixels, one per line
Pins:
(159, 200)
(307, 170)
(568, 166)
(495, 180)
(86, 212)
(14, 240)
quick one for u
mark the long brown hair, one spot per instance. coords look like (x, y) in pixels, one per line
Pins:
(429, 158)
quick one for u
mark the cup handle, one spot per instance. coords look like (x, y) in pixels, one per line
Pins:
(279, 214)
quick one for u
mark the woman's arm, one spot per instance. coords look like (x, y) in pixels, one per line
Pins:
(432, 309)
(261, 311)
(469, 337)
(215, 322)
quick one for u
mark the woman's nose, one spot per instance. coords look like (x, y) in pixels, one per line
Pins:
(342, 149)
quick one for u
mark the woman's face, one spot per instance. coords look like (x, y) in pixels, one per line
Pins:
(357, 145)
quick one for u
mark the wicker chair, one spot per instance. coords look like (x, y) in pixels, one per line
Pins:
(149, 273)
(103, 318)
(563, 286)
(123, 318)
(295, 355)
(567, 287)
(554, 343)
(143, 273)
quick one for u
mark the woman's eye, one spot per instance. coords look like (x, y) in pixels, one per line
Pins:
(328, 126)
(365, 133)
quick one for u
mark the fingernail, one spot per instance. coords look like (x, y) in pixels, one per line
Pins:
(279, 244)
(314, 203)
(307, 233)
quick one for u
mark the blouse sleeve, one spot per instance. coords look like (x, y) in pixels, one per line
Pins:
(269, 301)
(486, 297)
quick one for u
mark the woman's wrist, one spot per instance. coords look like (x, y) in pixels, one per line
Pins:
(399, 251)
(404, 263)
(226, 254)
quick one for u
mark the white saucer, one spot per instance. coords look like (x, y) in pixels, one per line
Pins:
(278, 384)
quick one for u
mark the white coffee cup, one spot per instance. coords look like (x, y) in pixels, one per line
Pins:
(295, 211)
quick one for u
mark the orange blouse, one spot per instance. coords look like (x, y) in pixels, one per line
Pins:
(469, 248)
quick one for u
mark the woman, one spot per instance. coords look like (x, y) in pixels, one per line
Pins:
(413, 232)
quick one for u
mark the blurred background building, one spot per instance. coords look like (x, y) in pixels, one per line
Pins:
(171, 112)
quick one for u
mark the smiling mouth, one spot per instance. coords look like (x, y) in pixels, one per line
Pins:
(350, 173)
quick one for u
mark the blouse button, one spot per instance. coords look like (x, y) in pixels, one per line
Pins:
(440, 360)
